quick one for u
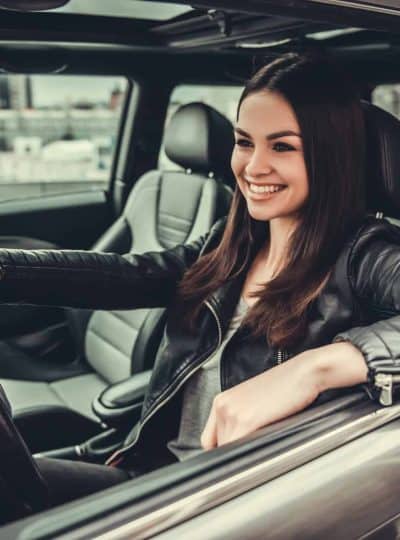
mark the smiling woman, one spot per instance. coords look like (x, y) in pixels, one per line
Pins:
(268, 158)
(298, 197)
(257, 307)
(293, 134)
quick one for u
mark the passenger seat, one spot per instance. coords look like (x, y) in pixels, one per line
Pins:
(163, 209)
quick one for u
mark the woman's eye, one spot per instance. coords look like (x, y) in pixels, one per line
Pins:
(283, 147)
(243, 142)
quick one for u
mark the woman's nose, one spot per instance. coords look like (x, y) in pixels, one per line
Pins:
(258, 165)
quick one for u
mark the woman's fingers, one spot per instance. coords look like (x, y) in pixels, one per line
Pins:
(262, 400)
(221, 426)
(209, 436)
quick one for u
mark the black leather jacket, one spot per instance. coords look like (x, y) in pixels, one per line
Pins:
(360, 302)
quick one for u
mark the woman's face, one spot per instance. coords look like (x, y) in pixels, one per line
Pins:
(267, 159)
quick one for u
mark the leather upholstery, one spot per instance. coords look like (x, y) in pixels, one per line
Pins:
(200, 138)
(383, 161)
(111, 336)
(121, 403)
(163, 209)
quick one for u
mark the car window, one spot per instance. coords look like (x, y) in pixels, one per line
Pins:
(387, 96)
(222, 98)
(57, 133)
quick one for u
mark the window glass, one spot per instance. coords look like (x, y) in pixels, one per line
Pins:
(387, 96)
(134, 9)
(222, 98)
(57, 133)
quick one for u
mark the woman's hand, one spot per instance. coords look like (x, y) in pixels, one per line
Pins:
(281, 391)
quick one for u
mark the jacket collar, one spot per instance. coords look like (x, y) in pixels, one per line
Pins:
(226, 297)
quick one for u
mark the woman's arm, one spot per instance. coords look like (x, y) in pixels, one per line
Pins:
(365, 353)
(374, 273)
(282, 391)
(87, 279)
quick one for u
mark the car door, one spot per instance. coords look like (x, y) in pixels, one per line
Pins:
(330, 471)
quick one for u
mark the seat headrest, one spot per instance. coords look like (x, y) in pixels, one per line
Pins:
(201, 139)
(383, 161)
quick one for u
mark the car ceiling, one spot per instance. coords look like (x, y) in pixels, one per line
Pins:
(228, 33)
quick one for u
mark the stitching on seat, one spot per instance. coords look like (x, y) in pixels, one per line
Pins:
(120, 318)
(86, 412)
(173, 229)
(27, 411)
(175, 217)
(24, 384)
(109, 343)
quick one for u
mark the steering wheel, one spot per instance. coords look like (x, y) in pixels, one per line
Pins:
(23, 490)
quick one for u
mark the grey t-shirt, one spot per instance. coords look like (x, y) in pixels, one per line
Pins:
(198, 396)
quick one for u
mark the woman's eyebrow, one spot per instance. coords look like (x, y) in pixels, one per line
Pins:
(241, 132)
(271, 136)
(285, 133)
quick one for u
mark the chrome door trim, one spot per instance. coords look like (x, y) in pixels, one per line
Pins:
(359, 6)
(174, 513)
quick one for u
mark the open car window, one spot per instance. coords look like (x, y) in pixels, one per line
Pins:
(57, 133)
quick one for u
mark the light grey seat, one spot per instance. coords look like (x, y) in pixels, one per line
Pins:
(164, 208)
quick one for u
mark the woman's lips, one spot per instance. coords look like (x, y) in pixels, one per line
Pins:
(266, 195)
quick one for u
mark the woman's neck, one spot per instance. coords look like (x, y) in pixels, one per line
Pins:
(280, 230)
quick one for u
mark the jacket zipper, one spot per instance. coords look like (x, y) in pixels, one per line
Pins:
(385, 381)
(119, 453)
(214, 312)
(281, 356)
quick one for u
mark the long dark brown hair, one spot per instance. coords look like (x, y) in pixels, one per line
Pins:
(331, 121)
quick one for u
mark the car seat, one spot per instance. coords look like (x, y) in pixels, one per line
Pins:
(164, 208)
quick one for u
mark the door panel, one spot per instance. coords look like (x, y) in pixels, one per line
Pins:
(73, 221)
(69, 221)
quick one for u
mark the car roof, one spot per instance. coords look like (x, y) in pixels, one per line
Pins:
(212, 25)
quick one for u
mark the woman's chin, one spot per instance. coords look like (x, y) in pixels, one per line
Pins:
(261, 214)
(271, 210)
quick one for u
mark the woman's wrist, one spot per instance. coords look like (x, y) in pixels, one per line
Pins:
(336, 365)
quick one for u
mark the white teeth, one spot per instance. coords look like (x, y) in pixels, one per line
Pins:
(263, 189)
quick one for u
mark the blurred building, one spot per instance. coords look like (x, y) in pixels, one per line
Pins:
(5, 101)
(116, 98)
(387, 96)
(20, 92)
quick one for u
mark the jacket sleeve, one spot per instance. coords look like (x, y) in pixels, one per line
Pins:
(87, 279)
(374, 274)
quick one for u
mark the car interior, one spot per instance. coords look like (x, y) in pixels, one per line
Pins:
(75, 379)
(163, 209)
